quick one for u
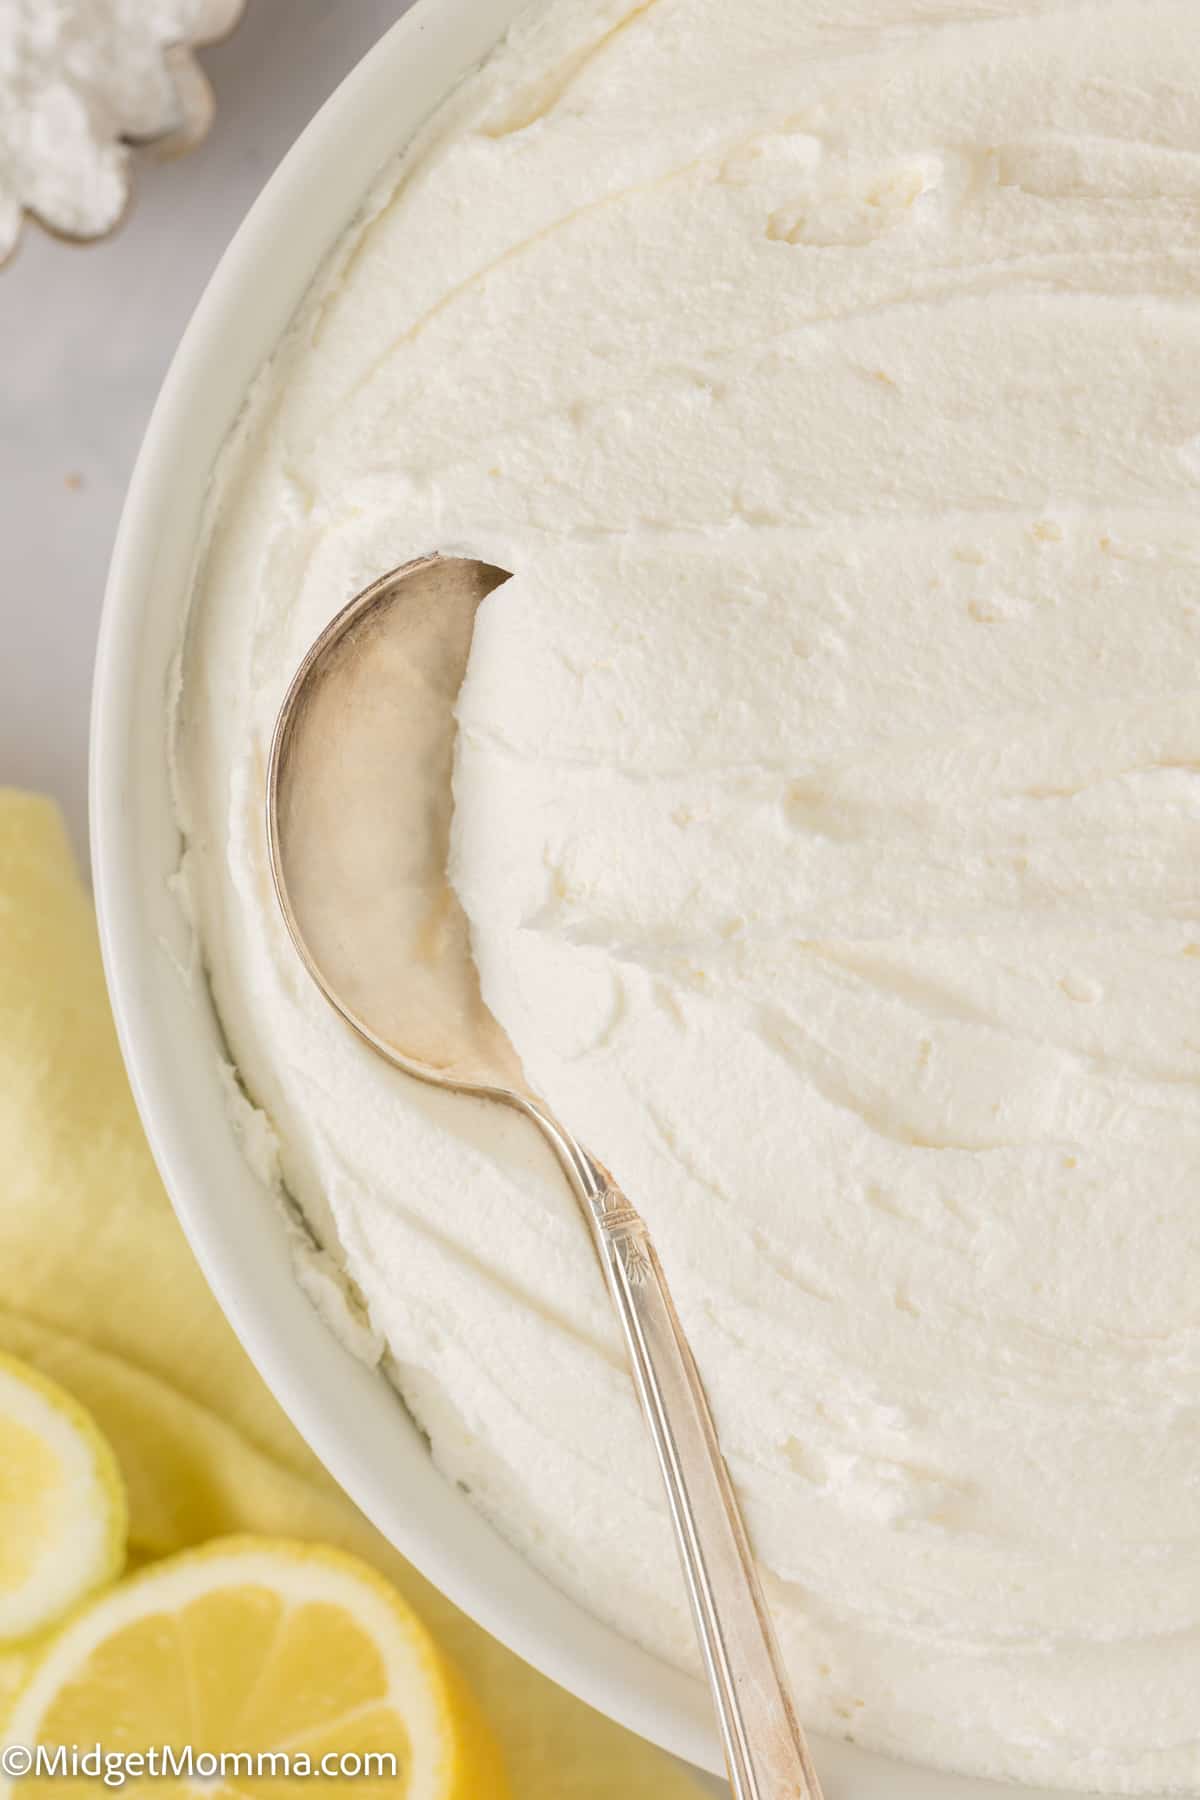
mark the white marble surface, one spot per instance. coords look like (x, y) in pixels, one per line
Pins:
(85, 338)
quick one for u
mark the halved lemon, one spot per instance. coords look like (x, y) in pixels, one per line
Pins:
(63, 1515)
(246, 1651)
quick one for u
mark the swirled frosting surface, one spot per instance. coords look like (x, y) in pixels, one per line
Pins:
(827, 817)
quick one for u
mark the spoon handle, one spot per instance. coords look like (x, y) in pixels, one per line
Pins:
(764, 1746)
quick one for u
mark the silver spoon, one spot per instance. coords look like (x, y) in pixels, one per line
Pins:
(358, 823)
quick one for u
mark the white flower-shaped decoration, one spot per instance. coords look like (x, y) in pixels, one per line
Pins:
(81, 81)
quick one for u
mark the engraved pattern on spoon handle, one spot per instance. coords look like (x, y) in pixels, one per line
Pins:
(765, 1751)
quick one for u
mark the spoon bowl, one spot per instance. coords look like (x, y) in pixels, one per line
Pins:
(358, 824)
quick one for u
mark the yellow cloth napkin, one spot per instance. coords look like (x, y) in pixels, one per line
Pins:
(99, 1289)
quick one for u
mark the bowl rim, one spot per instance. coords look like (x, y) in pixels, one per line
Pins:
(235, 1228)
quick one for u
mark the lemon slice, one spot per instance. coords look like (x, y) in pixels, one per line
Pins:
(62, 1505)
(251, 1646)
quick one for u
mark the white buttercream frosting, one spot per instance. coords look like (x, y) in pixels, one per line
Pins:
(827, 819)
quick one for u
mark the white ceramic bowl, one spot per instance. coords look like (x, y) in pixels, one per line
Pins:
(171, 1043)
